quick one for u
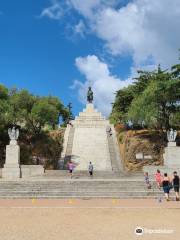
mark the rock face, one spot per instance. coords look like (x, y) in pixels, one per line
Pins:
(91, 138)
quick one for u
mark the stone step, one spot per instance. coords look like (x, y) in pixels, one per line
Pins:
(57, 184)
(104, 174)
(73, 188)
(77, 189)
(57, 195)
(131, 185)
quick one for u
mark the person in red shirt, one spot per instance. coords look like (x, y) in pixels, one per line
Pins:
(158, 178)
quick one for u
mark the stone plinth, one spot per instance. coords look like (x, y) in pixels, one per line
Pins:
(172, 156)
(31, 170)
(171, 144)
(11, 167)
(171, 161)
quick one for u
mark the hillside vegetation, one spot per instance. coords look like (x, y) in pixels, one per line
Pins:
(38, 118)
(143, 112)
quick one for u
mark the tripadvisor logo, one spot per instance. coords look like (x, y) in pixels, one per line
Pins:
(139, 231)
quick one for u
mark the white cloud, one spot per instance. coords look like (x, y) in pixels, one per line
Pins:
(145, 29)
(55, 11)
(90, 7)
(103, 83)
(85, 7)
(80, 28)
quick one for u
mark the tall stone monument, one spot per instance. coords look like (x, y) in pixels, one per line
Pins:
(91, 138)
(11, 168)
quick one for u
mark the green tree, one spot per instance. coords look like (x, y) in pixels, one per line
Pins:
(158, 102)
(153, 98)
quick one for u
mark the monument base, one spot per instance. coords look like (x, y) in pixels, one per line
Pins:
(11, 172)
(171, 161)
(31, 170)
(11, 167)
(171, 144)
(172, 156)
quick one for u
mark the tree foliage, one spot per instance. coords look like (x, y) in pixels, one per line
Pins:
(36, 116)
(153, 98)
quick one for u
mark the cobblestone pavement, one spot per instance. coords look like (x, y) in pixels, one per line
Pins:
(75, 219)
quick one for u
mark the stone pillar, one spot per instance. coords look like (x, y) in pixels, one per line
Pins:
(11, 168)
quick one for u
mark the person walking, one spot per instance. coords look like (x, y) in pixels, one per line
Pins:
(166, 186)
(158, 179)
(146, 178)
(175, 182)
(71, 168)
(91, 168)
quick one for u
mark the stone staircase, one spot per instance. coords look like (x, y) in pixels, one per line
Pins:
(113, 154)
(51, 186)
(69, 146)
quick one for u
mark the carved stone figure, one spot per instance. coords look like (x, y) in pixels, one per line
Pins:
(90, 95)
(171, 135)
(13, 134)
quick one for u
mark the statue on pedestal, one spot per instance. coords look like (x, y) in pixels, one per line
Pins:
(90, 95)
(11, 168)
(171, 135)
(13, 135)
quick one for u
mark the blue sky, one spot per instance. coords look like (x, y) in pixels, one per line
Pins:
(47, 46)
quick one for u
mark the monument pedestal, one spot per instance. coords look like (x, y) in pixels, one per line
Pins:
(171, 161)
(172, 155)
(11, 168)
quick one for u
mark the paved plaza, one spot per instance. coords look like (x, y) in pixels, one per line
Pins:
(76, 219)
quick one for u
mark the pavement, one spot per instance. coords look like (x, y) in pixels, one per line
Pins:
(85, 219)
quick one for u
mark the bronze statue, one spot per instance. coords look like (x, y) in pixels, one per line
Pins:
(90, 95)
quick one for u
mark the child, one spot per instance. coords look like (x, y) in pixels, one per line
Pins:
(158, 178)
(71, 167)
(146, 178)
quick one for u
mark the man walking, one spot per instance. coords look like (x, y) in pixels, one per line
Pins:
(90, 169)
(176, 185)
